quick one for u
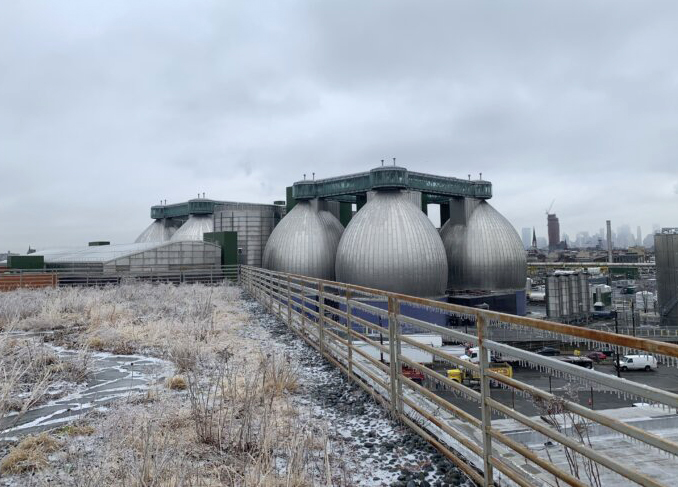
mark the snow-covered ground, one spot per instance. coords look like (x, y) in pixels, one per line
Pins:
(308, 426)
(383, 451)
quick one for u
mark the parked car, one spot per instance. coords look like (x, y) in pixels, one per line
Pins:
(608, 352)
(596, 356)
(637, 362)
(548, 351)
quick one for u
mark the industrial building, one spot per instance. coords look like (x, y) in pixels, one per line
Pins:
(253, 223)
(666, 259)
(181, 236)
(553, 226)
(135, 257)
(390, 244)
(568, 297)
(368, 229)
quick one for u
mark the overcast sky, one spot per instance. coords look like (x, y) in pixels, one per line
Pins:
(107, 107)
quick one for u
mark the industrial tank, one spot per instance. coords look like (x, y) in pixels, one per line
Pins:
(666, 258)
(391, 244)
(253, 222)
(194, 228)
(156, 232)
(304, 242)
(486, 253)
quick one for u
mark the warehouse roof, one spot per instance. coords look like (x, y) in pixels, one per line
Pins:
(103, 253)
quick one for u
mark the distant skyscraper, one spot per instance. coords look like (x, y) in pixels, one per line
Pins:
(639, 236)
(553, 230)
(534, 238)
(527, 237)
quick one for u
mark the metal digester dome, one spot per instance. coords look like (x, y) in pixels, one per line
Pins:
(304, 242)
(194, 228)
(157, 231)
(391, 244)
(483, 250)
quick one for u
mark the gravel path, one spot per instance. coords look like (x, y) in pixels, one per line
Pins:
(384, 451)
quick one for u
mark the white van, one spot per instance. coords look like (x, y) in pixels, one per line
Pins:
(638, 362)
(473, 355)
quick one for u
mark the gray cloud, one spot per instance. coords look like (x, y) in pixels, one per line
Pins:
(106, 108)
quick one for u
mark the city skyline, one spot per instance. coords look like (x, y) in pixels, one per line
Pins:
(622, 236)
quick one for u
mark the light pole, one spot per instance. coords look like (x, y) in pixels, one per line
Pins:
(616, 353)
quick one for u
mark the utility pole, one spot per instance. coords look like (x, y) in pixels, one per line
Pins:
(616, 352)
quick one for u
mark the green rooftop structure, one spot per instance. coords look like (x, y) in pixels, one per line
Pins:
(353, 188)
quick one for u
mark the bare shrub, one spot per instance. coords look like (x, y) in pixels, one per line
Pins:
(184, 354)
(555, 413)
(279, 375)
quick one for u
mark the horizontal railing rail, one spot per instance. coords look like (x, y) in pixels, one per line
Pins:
(20, 278)
(362, 332)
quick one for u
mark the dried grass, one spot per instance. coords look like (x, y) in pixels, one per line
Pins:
(237, 424)
(28, 368)
(177, 383)
(77, 430)
(30, 454)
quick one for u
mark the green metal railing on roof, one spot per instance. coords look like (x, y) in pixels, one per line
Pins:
(190, 207)
(345, 188)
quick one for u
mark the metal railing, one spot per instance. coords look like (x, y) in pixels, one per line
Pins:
(347, 324)
(19, 278)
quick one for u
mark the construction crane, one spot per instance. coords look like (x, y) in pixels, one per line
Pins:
(548, 212)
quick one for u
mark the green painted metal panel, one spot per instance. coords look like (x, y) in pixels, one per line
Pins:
(228, 241)
(360, 201)
(345, 213)
(291, 202)
(444, 213)
(29, 262)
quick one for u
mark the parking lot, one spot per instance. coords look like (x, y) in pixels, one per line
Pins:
(665, 378)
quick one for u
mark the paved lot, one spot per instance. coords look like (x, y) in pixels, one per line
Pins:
(665, 378)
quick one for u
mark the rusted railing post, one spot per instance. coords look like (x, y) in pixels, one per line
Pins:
(269, 285)
(394, 358)
(349, 332)
(486, 411)
(289, 302)
(321, 317)
(278, 289)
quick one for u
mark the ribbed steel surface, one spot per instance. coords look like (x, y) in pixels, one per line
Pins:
(391, 244)
(304, 242)
(254, 224)
(666, 258)
(484, 254)
(155, 232)
(194, 228)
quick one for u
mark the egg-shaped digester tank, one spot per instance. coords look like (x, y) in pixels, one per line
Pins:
(484, 254)
(391, 244)
(157, 231)
(194, 228)
(304, 242)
